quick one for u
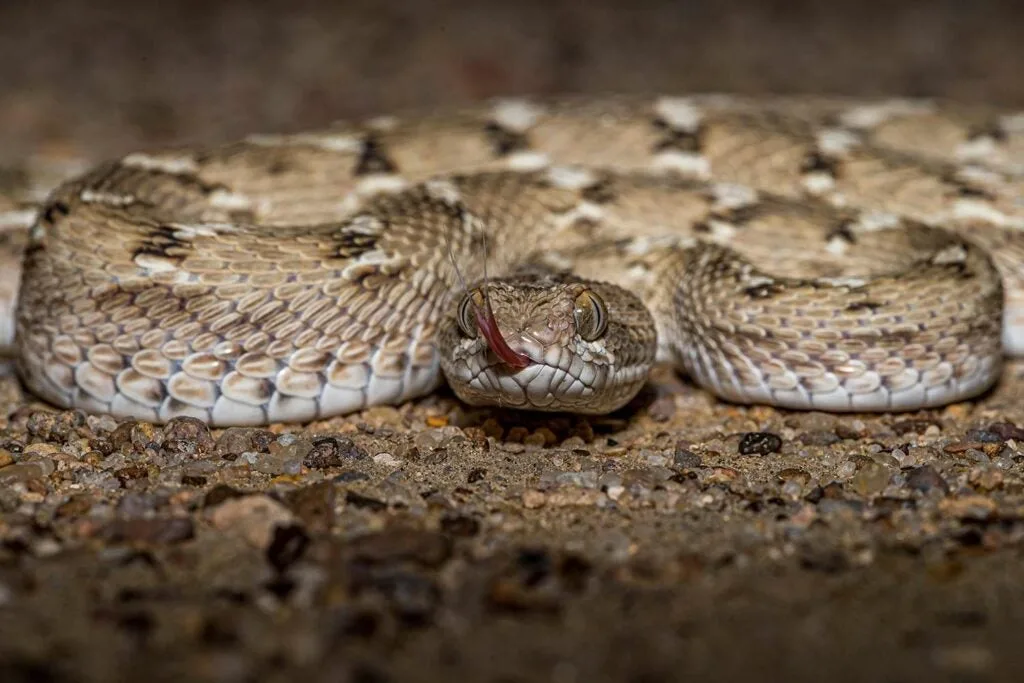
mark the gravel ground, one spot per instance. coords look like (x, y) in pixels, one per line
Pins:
(681, 538)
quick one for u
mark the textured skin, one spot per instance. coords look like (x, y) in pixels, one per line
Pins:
(784, 251)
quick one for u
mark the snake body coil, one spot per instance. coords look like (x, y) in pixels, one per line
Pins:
(806, 253)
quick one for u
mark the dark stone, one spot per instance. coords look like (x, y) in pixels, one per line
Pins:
(534, 565)
(237, 440)
(574, 570)
(1006, 431)
(662, 409)
(460, 525)
(925, 479)
(156, 530)
(829, 506)
(412, 597)
(425, 548)
(356, 623)
(360, 501)
(76, 506)
(760, 443)
(332, 451)
(983, 436)
(537, 580)
(350, 476)
(827, 560)
(819, 438)
(287, 546)
(314, 505)
(126, 475)
(903, 427)
(685, 459)
(846, 432)
(220, 493)
(815, 495)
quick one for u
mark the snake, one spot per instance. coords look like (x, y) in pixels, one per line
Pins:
(810, 253)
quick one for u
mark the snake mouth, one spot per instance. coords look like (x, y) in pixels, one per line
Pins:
(539, 386)
(555, 381)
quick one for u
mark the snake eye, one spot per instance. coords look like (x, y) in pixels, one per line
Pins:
(591, 315)
(467, 312)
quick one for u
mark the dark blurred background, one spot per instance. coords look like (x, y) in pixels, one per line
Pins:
(100, 77)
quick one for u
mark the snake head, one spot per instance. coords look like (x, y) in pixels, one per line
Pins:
(541, 343)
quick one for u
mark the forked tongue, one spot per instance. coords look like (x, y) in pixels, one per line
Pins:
(489, 329)
(485, 320)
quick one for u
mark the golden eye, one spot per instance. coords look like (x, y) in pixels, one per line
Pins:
(591, 315)
(467, 312)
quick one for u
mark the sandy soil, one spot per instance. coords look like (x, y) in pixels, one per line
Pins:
(680, 539)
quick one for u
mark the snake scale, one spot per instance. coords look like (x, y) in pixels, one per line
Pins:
(810, 253)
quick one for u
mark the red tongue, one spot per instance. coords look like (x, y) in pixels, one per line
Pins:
(489, 329)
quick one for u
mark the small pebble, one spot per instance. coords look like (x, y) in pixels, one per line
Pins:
(615, 492)
(535, 440)
(549, 436)
(533, 499)
(871, 479)
(722, 475)
(609, 479)
(428, 440)
(976, 508)
(654, 459)
(237, 440)
(436, 420)
(794, 474)
(850, 431)
(517, 434)
(792, 489)
(20, 472)
(350, 476)
(387, 460)
(268, 463)
(586, 479)
(985, 478)
(187, 436)
(976, 455)
(492, 428)
(46, 465)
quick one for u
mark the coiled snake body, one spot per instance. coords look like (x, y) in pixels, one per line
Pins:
(807, 253)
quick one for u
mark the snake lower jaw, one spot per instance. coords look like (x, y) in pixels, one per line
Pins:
(547, 388)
